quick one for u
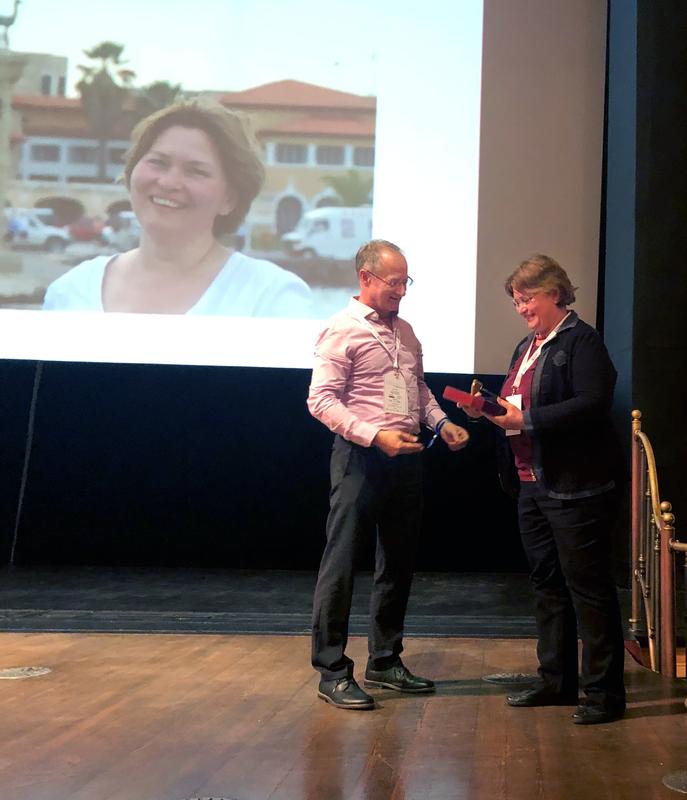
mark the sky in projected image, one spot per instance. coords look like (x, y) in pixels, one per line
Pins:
(419, 139)
(210, 45)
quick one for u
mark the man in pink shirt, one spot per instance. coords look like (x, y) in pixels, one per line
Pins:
(368, 388)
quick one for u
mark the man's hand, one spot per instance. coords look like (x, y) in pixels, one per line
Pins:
(396, 443)
(512, 420)
(454, 436)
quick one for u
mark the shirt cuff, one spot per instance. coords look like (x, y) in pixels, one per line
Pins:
(364, 434)
(434, 418)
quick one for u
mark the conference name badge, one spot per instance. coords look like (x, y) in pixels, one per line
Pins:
(395, 393)
(515, 400)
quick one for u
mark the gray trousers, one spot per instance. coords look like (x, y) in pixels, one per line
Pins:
(371, 494)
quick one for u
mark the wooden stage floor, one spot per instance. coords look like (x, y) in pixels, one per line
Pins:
(170, 717)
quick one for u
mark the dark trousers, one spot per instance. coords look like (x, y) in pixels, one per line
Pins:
(369, 492)
(567, 543)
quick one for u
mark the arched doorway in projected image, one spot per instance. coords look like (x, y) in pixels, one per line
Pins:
(328, 201)
(115, 208)
(65, 209)
(289, 212)
(119, 205)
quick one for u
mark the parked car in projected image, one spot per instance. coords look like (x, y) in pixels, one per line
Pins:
(332, 232)
(27, 231)
(86, 229)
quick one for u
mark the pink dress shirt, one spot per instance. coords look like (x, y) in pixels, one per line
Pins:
(347, 387)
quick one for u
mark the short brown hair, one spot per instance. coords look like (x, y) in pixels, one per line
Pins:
(541, 273)
(369, 253)
(228, 131)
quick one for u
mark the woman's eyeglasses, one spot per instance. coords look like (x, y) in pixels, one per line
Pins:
(523, 301)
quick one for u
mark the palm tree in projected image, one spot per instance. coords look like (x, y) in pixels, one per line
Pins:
(155, 97)
(6, 22)
(104, 88)
(353, 187)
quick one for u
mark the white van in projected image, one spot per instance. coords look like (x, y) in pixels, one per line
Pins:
(332, 232)
(123, 233)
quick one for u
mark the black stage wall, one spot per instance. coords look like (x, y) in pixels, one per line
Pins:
(645, 286)
(199, 466)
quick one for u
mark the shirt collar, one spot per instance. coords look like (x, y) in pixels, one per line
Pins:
(568, 322)
(361, 311)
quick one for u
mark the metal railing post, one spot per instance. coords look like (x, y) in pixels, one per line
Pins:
(637, 561)
(667, 592)
(653, 549)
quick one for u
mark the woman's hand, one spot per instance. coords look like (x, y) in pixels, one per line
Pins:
(512, 420)
(471, 412)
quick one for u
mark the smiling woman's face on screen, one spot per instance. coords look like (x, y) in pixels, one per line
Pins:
(178, 188)
(192, 173)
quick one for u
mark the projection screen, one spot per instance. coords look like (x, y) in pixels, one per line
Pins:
(469, 133)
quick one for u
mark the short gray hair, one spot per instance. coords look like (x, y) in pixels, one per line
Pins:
(368, 255)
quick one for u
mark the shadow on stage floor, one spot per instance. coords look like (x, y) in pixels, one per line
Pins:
(238, 601)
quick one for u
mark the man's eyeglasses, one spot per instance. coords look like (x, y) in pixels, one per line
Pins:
(523, 301)
(394, 283)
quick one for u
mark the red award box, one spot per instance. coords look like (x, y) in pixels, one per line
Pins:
(476, 401)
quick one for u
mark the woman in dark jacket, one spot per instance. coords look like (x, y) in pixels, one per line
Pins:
(567, 468)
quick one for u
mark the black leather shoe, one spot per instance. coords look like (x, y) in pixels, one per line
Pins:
(345, 693)
(540, 696)
(399, 678)
(593, 715)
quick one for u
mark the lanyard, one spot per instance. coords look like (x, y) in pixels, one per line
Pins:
(393, 356)
(532, 354)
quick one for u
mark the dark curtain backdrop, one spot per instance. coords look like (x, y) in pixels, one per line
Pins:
(159, 465)
(645, 277)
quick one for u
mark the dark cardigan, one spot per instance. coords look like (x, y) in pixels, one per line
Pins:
(576, 452)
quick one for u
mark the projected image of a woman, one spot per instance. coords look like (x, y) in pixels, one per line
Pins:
(192, 172)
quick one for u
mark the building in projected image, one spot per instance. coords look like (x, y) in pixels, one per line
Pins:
(309, 134)
(318, 146)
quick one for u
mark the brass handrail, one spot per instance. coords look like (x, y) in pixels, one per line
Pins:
(653, 556)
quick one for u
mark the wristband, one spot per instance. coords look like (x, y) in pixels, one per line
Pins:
(437, 430)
